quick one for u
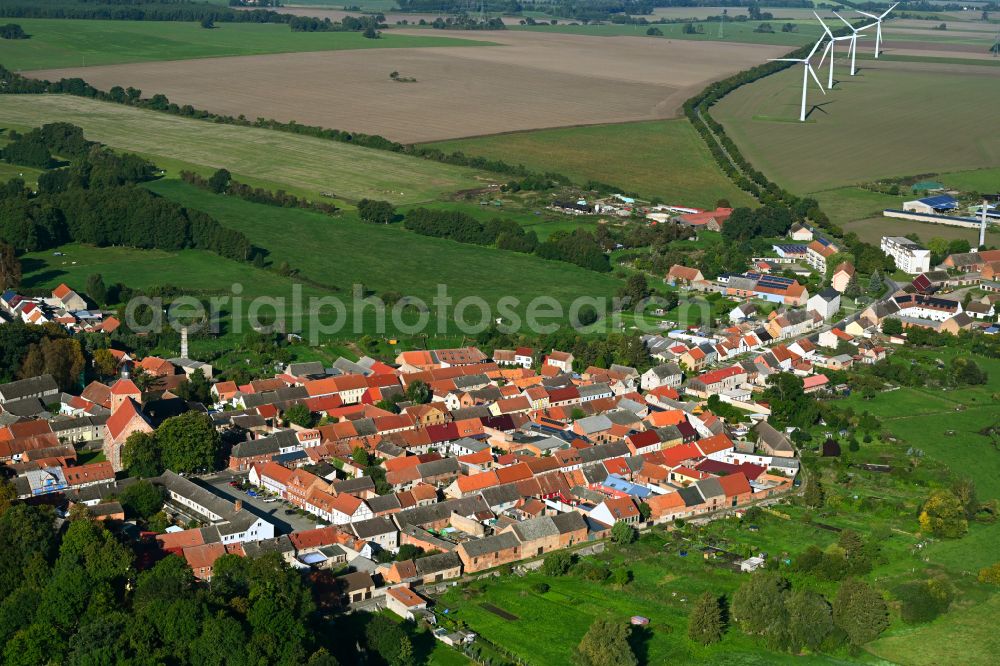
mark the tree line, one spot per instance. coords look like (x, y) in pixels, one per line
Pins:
(96, 200)
(221, 182)
(578, 247)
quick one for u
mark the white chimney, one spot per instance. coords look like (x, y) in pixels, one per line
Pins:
(184, 342)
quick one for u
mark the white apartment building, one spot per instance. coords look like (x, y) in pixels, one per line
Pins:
(909, 256)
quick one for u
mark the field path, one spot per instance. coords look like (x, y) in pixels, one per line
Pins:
(530, 80)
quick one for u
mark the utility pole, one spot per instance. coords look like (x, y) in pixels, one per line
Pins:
(722, 25)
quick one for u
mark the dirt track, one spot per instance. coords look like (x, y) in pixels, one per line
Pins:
(530, 80)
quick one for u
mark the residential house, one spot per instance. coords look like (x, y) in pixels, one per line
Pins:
(665, 374)
(842, 276)
(826, 303)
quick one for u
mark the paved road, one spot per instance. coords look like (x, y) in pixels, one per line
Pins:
(274, 512)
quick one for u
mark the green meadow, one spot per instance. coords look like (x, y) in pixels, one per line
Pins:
(335, 253)
(881, 123)
(80, 43)
(294, 162)
(664, 158)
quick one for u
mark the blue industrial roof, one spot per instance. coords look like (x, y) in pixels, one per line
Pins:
(940, 202)
(616, 482)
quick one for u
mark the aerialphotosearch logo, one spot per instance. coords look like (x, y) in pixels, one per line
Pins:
(319, 317)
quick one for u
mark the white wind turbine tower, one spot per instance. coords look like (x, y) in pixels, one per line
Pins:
(829, 49)
(855, 33)
(807, 71)
(878, 26)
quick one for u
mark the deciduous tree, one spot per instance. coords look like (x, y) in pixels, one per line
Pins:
(705, 624)
(860, 611)
(605, 644)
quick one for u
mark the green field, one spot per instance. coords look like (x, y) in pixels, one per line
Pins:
(665, 159)
(80, 43)
(882, 123)
(969, 635)
(806, 32)
(340, 252)
(295, 162)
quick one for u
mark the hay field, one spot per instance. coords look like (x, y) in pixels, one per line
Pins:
(893, 119)
(529, 81)
(297, 162)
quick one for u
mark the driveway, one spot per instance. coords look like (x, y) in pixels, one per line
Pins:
(273, 512)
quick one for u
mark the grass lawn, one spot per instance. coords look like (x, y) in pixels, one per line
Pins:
(295, 162)
(340, 252)
(29, 175)
(879, 124)
(665, 159)
(664, 588)
(965, 636)
(71, 43)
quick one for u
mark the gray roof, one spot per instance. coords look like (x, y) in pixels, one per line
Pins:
(437, 562)
(499, 495)
(195, 493)
(365, 529)
(710, 487)
(352, 486)
(468, 381)
(589, 390)
(382, 503)
(474, 412)
(624, 369)
(535, 528)
(25, 407)
(829, 294)
(773, 438)
(438, 467)
(421, 515)
(59, 424)
(21, 388)
(596, 423)
(350, 367)
(604, 451)
(274, 397)
(570, 521)
(420, 534)
(305, 369)
(256, 447)
(491, 544)
(665, 370)
(691, 495)
(622, 417)
(280, 544)
(596, 473)
(473, 445)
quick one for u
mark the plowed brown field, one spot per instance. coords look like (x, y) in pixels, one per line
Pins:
(528, 81)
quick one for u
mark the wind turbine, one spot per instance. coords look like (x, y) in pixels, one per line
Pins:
(878, 24)
(855, 33)
(807, 71)
(829, 49)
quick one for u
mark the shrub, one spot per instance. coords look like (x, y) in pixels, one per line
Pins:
(540, 588)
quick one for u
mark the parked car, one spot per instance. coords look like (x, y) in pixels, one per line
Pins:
(251, 493)
(270, 499)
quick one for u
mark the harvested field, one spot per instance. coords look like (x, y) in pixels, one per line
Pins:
(530, 81)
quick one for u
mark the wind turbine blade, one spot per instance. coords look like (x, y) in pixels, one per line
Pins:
(826, 52)
(889, 10)
(785, 60)
(846, 22)
(815, 46)
(812, 72)
(825, 29)
(866, 14)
